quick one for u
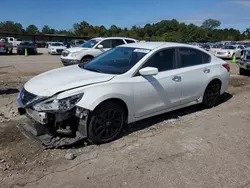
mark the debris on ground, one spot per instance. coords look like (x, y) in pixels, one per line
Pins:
(70, 156)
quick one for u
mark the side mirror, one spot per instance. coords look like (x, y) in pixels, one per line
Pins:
(148, 71)
(100, 46)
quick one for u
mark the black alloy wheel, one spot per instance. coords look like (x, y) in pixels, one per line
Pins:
(106, 122)
(212, 94)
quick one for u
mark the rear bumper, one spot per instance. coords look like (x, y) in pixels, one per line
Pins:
(244, 65)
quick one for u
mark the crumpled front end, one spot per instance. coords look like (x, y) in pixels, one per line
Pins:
(54, 123)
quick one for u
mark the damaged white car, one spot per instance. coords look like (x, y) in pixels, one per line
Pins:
(123, 85)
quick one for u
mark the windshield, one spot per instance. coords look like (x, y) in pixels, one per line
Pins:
(56, 44)
(89, 43)
(116, 61)
(229, 47)
(26, 43)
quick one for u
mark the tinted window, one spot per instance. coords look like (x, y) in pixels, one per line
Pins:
(229, 47)
(192, 57)
(129, 41)
(241, 47)
(26, 43)
(163, 60)
(106, 43)
(11, 39)
(117, 42)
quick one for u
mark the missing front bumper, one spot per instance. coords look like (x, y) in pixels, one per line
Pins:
(44, 130)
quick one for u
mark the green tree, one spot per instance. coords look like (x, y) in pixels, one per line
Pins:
(46, 29)
(11, 27)
(32, 29)
(211, 24)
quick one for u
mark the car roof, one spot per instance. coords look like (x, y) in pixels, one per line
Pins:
(101, 38)
(155, 45)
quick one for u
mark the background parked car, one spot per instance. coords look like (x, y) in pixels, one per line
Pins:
(30, 46)
(14, 41)
(56, 48)
(229, 51)
(92, 48)
(5, 47)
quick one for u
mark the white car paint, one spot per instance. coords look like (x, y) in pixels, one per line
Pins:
(76, 54)
(14, 41)
(144, 96)
(56, 48)
(228, 53)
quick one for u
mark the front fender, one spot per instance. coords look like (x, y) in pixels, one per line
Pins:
(96, 94)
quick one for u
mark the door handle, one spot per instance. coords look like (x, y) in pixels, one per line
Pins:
(206, 71)
(176, 78)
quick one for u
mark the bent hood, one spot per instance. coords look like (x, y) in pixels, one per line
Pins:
(61, 79)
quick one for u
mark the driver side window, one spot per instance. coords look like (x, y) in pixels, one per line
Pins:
(106, 43)
(164, 60)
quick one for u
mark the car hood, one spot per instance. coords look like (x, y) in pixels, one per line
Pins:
(61, 79)
(224, 50)
(58, 47)
(77, 49)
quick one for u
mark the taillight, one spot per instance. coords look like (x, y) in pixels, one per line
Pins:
(226, 66)
(2, 44)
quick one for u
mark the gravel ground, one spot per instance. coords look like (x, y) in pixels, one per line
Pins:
(186, 148)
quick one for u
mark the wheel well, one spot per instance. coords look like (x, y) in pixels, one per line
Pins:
(119, 101)
(216, 80)
(86, 56)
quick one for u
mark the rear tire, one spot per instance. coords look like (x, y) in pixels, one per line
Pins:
(106, 122)
(242, 71)
(212, 94)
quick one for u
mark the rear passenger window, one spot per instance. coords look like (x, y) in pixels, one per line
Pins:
(191, 57)
(117, 42)
(129, 41)
(163, 60)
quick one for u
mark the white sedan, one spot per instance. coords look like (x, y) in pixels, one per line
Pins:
(123, 85)
(56, 48)
(229, 51)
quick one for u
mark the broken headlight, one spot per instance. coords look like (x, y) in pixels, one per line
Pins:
(59, 105)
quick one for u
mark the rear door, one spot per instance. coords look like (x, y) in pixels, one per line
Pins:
(117, 42)
(194, 71)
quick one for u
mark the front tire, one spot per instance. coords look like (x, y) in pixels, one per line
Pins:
(106, 122)
(212, 94)
(85, 60)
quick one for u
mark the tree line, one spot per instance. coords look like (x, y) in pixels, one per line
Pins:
(165, 30)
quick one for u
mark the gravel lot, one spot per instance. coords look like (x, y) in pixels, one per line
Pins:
(187, 148)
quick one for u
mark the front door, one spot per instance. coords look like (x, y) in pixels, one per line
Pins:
(107, 45)
(153, 94)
